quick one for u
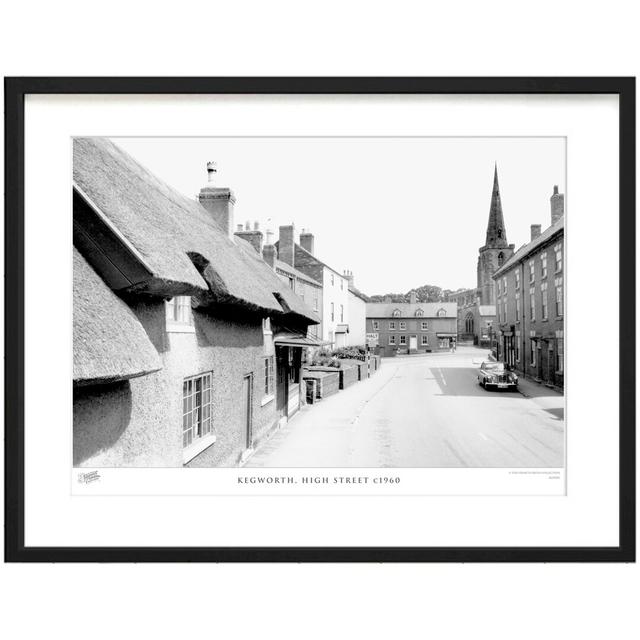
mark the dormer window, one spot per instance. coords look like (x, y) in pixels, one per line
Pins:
(178, 315)
(419, 313)
(396, 313)
(441, 313)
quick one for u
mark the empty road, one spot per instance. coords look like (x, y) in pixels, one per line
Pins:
(424, 411)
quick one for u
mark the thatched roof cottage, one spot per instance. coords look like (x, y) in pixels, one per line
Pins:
(187, 345)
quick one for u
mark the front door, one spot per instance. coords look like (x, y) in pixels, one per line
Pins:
(282, 380)
(247, 405)
(413, 343)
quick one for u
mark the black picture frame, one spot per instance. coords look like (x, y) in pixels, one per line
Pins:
(15, 91)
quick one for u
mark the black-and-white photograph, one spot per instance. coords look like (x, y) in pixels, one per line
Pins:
(319, 302)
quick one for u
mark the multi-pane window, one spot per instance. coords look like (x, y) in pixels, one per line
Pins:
(517, 346)
(559, 301)
(419, 313)
(376, 325)
(392, 339)
(444, 343)
(543, 287)
(532, 303)
(332, 312)
(268, 376)
(341, 313)
(179, 310)
(543, 260)
(425, 341)
(196, 408)
(517, 279)
(403, 339)
(517, 306)
(403, 326)
(532, 271)
(441, 313)
(424, 325)
(392, 326)
(396, 313)
(558, 250)
(504, 285)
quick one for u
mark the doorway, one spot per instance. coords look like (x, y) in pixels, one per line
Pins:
(413, 343)
(247, 403)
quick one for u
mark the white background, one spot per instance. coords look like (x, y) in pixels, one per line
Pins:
(330, 39)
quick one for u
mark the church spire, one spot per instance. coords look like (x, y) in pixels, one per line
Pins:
(496, 233)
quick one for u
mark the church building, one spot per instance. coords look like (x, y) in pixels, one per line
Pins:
(477, 307)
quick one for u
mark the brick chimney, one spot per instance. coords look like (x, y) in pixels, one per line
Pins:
(286, 244)
(557, 205)
(269, 255)
(348, 275)
(413, 297)
(536, 230)
(252, 236)
(269, 238)
(306, 240)
(218, 201)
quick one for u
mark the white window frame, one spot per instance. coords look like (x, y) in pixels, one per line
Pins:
(543, 261)
(375, 325)
(545, 302)
(559, 298)
(403, 340)
(392, 339)
(179, 315)
(193, 415)
(403, 325)
(532, 304)
(425, 325)
(558, 251)
(269, 380)
(392, 325)
(424, 342)
(532, 271)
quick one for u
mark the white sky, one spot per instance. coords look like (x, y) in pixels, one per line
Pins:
(398, 212)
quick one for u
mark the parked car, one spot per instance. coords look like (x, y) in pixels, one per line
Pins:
(494, 374)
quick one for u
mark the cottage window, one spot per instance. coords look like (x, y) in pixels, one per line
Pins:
(403, 339)
(376, 325)
(268, 377)
(403, 326)
(178, 314)
(543, 287)
(425, 340)
(197, 433)
(559, 300)
(392, 339)
(424, 325)
(543, 260)
(392, 326)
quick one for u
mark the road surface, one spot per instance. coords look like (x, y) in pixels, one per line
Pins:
(424, 411)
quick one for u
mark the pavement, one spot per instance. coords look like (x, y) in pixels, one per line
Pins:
(424, 410)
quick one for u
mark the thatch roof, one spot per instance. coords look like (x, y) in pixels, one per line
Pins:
(176, 236)
(109, 342)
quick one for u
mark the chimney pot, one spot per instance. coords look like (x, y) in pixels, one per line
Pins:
(239, 227)
(557, 205)
(212, 169)
(269, 254)
(286, 244)
(269, 236)
(256, 226)
(218, 201)
(307, 240)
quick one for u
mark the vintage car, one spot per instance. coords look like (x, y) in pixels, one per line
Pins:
(494, 374)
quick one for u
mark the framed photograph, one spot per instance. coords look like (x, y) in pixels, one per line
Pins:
(320, 319)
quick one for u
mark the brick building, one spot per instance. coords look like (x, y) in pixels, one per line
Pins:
(411, 327)
(530, 302)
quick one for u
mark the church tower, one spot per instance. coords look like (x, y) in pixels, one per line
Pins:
(495, 251)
